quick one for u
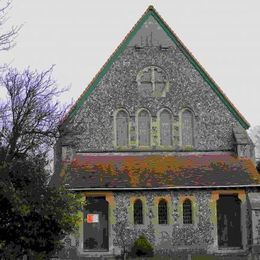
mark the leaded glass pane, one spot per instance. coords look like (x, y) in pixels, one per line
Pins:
(144, 128)
(166, 128)
(187, 128)
(122, 128)
(138, 212)
(187, 212)
(162, 212)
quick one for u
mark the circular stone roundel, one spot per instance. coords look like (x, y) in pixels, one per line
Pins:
(152, 81)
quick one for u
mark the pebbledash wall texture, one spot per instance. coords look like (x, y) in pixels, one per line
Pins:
(153, 127)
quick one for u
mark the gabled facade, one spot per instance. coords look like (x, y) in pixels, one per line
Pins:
(156, 148)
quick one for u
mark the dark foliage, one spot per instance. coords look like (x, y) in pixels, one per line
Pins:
(34, 217)
(142, 247)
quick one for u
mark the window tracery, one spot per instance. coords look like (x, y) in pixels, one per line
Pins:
(152, 81)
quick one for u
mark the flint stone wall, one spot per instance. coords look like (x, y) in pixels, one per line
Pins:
(168, 238)
(118, 89)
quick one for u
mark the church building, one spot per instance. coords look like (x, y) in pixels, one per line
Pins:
(156, 149)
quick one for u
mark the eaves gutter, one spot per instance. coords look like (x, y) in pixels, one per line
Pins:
(165, 188)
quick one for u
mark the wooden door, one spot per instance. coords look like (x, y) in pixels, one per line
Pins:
(96, 224)
(229, 221)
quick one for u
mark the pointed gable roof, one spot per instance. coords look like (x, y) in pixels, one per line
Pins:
(151, 12)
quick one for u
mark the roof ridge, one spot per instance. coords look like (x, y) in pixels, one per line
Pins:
(203, 69)
(188, 54)
(150, 8)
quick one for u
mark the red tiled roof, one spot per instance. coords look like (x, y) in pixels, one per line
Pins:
(152, 171)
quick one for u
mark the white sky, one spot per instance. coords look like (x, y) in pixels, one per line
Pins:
(79, 36)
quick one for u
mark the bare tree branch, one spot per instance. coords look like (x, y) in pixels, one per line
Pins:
(30, 116)
(7, 37)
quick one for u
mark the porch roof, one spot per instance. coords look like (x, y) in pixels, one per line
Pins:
(129, 171)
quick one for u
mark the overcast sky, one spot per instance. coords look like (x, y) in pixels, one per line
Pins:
(80, 35)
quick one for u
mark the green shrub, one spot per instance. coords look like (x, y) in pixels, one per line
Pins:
(142, 247)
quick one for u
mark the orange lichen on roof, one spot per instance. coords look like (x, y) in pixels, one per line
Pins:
(250, 167)
(161, 170)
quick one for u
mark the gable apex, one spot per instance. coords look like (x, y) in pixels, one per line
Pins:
(151, 13)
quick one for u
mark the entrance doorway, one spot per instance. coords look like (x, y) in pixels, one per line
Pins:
(96, 224)
(229, 221)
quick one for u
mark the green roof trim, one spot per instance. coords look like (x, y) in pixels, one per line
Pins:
(151, 11)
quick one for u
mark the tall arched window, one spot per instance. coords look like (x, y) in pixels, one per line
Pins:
(165, 128)
(162, 212)
(144, 128)
(138, 212)
(187, 128)
(122, 128)
(187, 212)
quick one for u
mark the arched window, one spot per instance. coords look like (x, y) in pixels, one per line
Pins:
(144, 128)
(162, 212)
(187, 128)
(187, 212)
(165, 128)
(122, 128)
(138, 212)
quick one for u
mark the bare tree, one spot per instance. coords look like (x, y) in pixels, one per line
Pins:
(30, 115)
(7, 37)
(33, 215)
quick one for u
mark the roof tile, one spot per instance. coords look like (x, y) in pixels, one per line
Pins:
(144, 171)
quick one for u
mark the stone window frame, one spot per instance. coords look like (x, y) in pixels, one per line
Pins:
(153, 80)
(194, 207)
(170, 207)
(139, 221)
(158, 115)
(165, 213)
(187, 212)
(115, 127)
(181, 128)
(137, 128)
